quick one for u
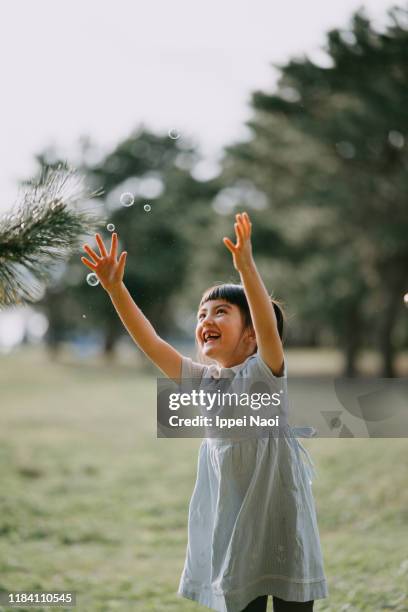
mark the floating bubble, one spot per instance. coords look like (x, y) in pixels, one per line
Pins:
(406, 300)
(92, 279)
(110, 227)
(147, 208)
(396, 139)
(173, 134)
(127, 199)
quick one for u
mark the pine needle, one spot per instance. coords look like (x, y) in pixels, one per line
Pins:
(45, 227)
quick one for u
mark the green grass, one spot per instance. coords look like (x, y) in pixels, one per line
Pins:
(92, 501)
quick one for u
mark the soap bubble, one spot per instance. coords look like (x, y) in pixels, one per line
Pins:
(396, 139)
(92, 279)
(147, 207)
(127, 199)
(173, 134)
(406, 300)
(110, 227)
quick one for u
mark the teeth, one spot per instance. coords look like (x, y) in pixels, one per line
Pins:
(210, 335)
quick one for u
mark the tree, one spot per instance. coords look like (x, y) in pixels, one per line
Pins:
(328, 148)
(44, 228)
(161, 242)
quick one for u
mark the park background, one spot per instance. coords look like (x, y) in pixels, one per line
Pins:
(297, 115)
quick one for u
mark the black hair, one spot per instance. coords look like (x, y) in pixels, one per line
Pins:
(235, 294)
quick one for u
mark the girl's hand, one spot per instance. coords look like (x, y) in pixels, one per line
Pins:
(242, 250)
(107, 268)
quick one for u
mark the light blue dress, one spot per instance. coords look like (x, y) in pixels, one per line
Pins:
(252, 527)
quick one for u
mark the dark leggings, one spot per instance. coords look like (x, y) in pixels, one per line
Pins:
(279, 605)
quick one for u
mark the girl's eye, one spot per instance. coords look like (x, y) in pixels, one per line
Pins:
(219, 310)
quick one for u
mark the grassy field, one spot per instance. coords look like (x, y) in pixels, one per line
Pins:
(92, 501)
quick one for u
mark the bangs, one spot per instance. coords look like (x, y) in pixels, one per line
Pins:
(234, 294)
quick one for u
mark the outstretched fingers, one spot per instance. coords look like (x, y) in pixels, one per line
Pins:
(101, 245)
(122, 262)
(230, 246)
(92, 253)
(239, 233)
(114, 246)
(247, 223)
(244, 224)
(88, 263)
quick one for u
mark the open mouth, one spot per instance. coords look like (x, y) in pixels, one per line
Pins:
(210, 337)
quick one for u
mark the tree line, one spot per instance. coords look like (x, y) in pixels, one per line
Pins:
(324, 178)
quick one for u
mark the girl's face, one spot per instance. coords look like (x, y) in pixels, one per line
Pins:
(220, 333)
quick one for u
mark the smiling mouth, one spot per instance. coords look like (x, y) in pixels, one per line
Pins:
(210, 337)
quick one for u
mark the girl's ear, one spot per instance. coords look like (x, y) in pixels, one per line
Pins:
(251, 340)
(250, 333)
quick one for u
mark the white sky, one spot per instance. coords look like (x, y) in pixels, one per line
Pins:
(101, 67)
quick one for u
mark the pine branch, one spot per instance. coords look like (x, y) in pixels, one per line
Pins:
(46, 226)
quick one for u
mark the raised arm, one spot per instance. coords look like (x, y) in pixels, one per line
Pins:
(260, 305)
(110, 272)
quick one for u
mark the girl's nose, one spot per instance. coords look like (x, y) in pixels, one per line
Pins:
(207, 318)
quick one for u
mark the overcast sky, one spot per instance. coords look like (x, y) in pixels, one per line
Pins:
(101, 68)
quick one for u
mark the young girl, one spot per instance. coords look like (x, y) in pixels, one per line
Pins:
(252, 528)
